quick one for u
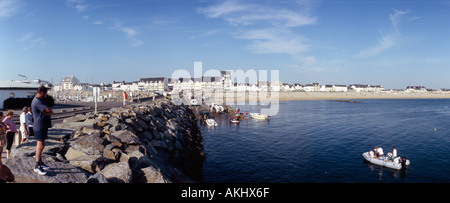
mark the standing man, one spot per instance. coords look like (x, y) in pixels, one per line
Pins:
(42, 121)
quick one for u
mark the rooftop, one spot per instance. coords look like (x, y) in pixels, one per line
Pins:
(9, 84)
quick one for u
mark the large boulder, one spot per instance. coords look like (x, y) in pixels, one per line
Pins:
(126, 137)
(90, 163)
(151, 175)
(118, 173)
(85, 145)
(59, 172)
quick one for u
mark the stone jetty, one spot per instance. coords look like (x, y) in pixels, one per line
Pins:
(143, 143)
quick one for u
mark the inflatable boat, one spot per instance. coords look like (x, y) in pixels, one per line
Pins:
(398, 162)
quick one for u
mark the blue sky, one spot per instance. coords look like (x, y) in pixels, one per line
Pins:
(393, 43)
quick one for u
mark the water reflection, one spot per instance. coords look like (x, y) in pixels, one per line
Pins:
(383, 171)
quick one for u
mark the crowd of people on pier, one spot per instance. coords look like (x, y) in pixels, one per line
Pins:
(35, 120)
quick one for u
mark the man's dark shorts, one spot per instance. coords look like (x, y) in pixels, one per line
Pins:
(41, 135)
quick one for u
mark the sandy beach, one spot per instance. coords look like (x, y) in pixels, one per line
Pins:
(287, 96)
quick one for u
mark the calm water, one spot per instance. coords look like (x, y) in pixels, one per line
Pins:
(323, 141)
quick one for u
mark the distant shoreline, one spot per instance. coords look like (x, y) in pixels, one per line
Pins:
(285, 96)
(288, 96)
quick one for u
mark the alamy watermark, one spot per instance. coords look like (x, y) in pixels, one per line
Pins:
(231, 87)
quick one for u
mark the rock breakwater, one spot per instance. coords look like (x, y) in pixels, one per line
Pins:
(145, 143)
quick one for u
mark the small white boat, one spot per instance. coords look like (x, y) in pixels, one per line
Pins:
(211, 122)
(217, 108)
(259, 115)
(234, 120)
(396, 164)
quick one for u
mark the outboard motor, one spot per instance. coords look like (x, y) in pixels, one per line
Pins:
(403, 161)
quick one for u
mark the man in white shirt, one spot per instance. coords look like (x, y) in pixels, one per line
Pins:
(394, 152)
(380, 152)
(24, 125)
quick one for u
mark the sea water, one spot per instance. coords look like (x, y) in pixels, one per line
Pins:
(323, 141)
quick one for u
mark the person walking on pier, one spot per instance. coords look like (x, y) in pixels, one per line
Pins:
(125, 97)
(42, 121)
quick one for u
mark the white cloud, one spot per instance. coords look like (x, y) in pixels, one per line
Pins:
(131, 34)
(388, 40)
(31, 40)
(8, 8)
(238, 13)
(97, 22)
(266, 24)
(396, 17)
(266, 41)
(225, 8)
(78, 5)
(205, 34)
(26, 37)
(385, 42)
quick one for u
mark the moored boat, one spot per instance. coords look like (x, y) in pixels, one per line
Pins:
(234, 120)
(259, 115)
(211, 122)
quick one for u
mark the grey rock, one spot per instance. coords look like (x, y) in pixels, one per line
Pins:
(113, 121)
(152, 175)
(85, 145)
(90, 163)
(59, 172)
(112, 152)
(127, 137)
(97, 178)
(118, 173)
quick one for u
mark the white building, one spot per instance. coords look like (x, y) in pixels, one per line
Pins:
(11, 89)
(152, 84)
(69, 82)
(340, 88)
(366, 88)
(313, 87)
(226, 80)
(333, 88)
(416, 89)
